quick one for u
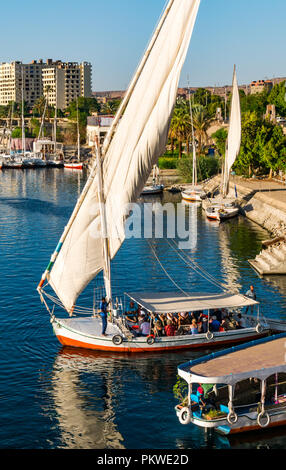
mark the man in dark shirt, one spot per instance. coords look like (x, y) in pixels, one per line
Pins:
(103, 314)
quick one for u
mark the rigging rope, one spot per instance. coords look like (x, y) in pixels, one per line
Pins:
(198, 269)
(167, 274)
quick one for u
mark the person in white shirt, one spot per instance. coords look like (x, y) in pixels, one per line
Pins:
(144, 329)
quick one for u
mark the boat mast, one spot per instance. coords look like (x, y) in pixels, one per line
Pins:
(55, 117)
(106, 253)
(11, 125)
(194, 175)
(78, 134)
(23, 122)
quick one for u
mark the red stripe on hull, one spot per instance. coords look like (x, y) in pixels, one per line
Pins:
(79, 344)
(256, 427)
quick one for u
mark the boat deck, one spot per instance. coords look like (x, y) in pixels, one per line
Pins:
(89, 326)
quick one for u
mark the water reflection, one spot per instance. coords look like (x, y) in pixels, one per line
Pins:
(83, 405)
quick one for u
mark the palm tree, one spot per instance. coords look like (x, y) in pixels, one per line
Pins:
(180, 127)
(201, 122)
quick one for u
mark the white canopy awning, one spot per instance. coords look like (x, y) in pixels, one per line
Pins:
(174, 302)
(259, 359)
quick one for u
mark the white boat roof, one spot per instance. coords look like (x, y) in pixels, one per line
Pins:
(174, 302)
(259, 359)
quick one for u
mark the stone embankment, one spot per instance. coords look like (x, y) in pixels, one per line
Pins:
(263, 202)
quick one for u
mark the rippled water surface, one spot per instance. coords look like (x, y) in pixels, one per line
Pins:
(53, 397)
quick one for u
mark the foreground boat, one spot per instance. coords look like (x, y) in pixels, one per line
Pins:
(120, 337)
(237, 390)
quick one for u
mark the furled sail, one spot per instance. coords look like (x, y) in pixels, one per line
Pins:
(234, 133)
(139, 139)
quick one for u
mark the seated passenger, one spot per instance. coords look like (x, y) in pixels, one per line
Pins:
(241, 321)
(218, 314)
(194, 328)
(163, 319)
(183, 320)
(158, 327)
(170, 328)
(173, 319)
(144, 328)
(204, 327)
(214, 324)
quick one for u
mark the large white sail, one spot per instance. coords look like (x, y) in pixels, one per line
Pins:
(234, 133)
(140, 138)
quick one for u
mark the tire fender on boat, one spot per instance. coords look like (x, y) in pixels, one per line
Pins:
(185, 415)
(117, 339)
(209, 335)
(232, 417)
(260, 416)
(150, 339)
(259, 328)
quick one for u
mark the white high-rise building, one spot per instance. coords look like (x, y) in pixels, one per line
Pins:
(61, 82)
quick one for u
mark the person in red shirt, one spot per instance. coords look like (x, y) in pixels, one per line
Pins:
(170, 329)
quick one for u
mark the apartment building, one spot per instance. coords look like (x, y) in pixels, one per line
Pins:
(19, 80)
(259, 86)
(64, 82)
(61, 82)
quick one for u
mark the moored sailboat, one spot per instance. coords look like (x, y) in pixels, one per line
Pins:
(224, 207)
(195, 193)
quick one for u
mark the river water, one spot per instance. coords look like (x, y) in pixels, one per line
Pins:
(53, 397)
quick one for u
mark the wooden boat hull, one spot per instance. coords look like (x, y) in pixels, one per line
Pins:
(192, 197)
(157, 189)
(69, 334)
(245, 423)
(74, 166)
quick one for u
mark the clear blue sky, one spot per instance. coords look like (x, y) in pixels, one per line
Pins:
(112, 35)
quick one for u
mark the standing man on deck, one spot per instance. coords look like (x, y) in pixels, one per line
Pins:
(252, 295)
(103, 314)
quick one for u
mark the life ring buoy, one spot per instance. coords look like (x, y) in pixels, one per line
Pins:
(209, 335)
(232, 417)
(150, 339)
(117, 339)
(185, 415)
(259, 328)
(259, 418)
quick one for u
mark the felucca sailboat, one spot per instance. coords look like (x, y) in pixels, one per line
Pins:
(196, 193)
(224, 207)
(96, 228)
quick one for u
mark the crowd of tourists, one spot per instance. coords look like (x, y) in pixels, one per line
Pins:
(143, 323)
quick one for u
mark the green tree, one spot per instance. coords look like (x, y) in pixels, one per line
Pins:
(201, 122)
(180, 127)
(277, 97)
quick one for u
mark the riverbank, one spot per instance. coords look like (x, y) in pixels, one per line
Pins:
(262, 201)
